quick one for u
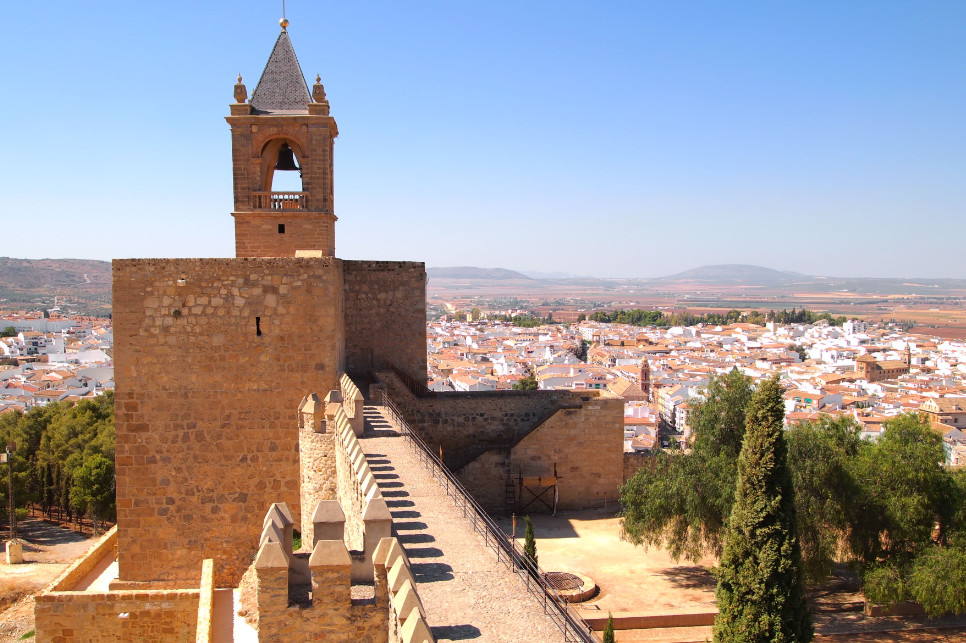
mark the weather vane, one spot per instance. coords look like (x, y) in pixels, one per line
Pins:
(284, 20)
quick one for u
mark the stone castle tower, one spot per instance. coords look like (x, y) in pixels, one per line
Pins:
(283, 128)
(213, 356)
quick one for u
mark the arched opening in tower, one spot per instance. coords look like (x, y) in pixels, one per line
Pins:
(282, 167)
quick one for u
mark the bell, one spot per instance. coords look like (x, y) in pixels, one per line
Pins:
(286, 159)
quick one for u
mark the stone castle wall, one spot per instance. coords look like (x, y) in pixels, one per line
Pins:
(385, 316)
(635, 461)
(585, 447)
(212, 358)
(317, 468)
(467, 424)
(481, 433)
(66, 611)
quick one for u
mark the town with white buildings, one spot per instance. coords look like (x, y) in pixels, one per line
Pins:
(51, 358)
(868, 372)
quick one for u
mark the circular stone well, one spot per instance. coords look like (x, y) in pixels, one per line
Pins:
(573, 588)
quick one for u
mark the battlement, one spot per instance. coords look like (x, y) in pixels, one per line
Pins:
(352, 403)
(317, 596)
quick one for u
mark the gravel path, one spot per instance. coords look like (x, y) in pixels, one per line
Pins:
(467, 594)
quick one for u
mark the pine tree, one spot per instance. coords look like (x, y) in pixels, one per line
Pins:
(529, 545)
(609, 630)
(760, 593)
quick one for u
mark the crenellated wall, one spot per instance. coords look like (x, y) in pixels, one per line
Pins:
(317, 467)
(367, 517)
(352, 403)
(393, 613)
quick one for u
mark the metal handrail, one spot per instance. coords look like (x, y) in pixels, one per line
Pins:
(506, 549)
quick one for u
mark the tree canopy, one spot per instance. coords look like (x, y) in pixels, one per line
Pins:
(64, 460)
(890, 507)
(683, 501)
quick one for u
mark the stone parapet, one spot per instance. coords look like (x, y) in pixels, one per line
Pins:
(317, 477)
(367, 517)
(352, 403)
(204, 631)
(394, 613)
(65, 611)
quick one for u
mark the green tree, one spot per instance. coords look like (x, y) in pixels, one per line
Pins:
(9, 331)
(760, 593)
(906, 493)
(609, 630)
(93, 489)
(683, 501)
(528, 383)
(827, 496)
(529, 545)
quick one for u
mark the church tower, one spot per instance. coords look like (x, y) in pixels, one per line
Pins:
(282, 129)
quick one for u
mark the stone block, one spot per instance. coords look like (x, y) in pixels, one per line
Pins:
(14, 552)
(398, 574)
(329, 521)
(415, 630)
(406, 600)
(330, 565)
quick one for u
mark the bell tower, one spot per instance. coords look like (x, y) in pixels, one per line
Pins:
(283, 128)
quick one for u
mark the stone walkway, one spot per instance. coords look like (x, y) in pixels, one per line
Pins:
(467, 594)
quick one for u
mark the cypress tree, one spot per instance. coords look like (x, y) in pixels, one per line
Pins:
(530, 544)
(760, 593)
(609, 630)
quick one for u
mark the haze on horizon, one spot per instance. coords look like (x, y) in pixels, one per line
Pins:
(606, 139)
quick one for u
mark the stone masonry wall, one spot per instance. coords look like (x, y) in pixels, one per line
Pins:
(257, 235)
(485, 478)
(586, 445)
(385, 316)
(160, 616)
(635, 461)
(318, 471)
(356, 485)
(467, 424)
(212, 357)
(63, 612)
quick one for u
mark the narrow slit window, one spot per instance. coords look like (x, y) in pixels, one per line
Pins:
(281, 228)
(258, 326)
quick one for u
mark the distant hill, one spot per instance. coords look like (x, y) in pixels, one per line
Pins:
(26, 283)
(468, 272)
(536, 274)
(736, 273)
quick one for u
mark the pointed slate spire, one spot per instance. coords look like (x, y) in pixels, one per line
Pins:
(282, 87)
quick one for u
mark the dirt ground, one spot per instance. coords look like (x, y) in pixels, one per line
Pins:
(48, 549)
(636, 581)
(630, 578)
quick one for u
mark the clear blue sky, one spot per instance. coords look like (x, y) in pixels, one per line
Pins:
(627, 139)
